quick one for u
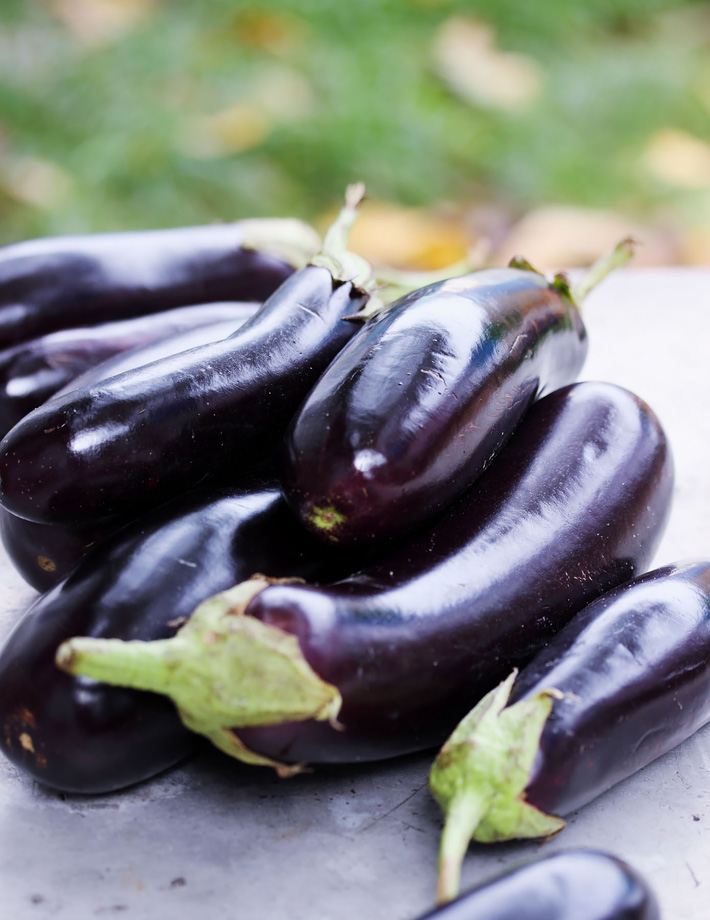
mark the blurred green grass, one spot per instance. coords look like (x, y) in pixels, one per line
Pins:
(170, 114)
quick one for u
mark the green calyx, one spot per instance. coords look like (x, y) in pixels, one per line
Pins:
(596, 273)
(334, 253)
(286, 238)
(223, 670)
(480, 775)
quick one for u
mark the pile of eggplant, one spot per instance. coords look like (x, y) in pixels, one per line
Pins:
(267, 505)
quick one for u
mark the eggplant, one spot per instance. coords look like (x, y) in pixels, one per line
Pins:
(44, 554)
(137, 439)
(141, 355)
(416, 406)
(60, 282)
(568, 885)
(386, 661)
(80, 736)
(623, 683)
(32, 371)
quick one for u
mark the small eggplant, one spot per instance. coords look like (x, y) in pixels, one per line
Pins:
(624, 682)
(415, 407)
(142, 582)
(33, 371)
(60, 282)
(137, 439)
(575, 504)
(569, 885)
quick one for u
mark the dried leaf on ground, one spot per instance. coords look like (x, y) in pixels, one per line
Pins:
(467, 58)
(679, 159)
(98, 22)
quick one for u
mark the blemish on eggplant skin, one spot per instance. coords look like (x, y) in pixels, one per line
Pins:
(25, 740)
(178, 882)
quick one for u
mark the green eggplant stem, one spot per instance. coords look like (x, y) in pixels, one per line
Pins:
(285, 238)
(223, 670)
(479, 778)
(618, 256)
(464, 814)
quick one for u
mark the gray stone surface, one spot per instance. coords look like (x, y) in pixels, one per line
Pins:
(215, 839)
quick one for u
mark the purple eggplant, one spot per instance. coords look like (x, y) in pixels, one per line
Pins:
(151, 351)
(44, 554)
(569, 885)
(60, 282)
(416, 406)
(32, 371)
(623, 683)
(575, 504)
(142, 582)
(141, 437)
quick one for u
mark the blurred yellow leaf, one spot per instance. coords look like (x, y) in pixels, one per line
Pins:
(34, 181)
(233, 130)
(467, 58)
(283, 92)
(696, 246)
(97, 22)
(386, 233)
(679, 159)
(562, 237)
(275, 32)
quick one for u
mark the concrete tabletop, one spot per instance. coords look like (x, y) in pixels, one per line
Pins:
(212, 838)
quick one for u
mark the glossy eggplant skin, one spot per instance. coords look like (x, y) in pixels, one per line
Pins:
(59, 282)
(139, 438)
(32, 371)
(78, 735)
(151, 351)
(568, 885)
(44, 554)
(415, 407)
(636, 666)
(574, 505)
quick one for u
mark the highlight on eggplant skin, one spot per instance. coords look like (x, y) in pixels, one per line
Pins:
(576, 504)
(574, 884)
(141, 355)
(141, 582)
(64, 281)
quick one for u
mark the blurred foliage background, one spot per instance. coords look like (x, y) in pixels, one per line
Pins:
(549, 128)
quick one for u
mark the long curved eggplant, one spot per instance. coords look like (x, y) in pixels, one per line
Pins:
(44, 554)
(623, 683)
(569, 885)
(413, 409)
(142, 582)
(151, 351)
(60, 282)
(575, 504)
(32, 371)
(137, 439)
